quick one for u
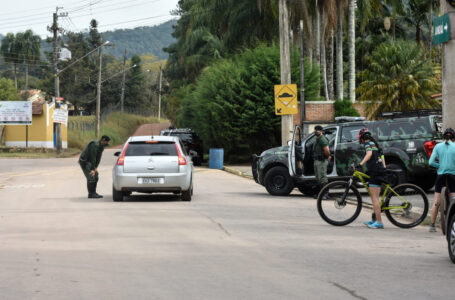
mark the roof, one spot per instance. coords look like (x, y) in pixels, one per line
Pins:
(159, 138)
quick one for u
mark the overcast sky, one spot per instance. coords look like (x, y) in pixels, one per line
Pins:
(20, 15)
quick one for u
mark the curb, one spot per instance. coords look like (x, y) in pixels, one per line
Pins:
(237, 172)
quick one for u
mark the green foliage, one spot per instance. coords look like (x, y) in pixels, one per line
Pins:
(345, 108)
(117, 126)
(135, 88)
(232, 105)
(7, 90)
(399, 77)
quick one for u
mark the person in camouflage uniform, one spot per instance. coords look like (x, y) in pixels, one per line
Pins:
(89, 160)
(321, 156)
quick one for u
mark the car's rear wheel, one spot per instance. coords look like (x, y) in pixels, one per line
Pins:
(278, 182)
(117, 196)
(186, 195)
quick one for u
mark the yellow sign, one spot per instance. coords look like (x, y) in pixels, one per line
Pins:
(286, 99)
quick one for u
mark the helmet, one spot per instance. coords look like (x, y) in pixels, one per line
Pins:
(449, 133)
(363, 133)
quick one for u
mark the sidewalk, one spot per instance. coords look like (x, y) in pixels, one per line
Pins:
(240, 170)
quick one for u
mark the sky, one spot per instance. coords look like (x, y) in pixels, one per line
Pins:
(20, 15)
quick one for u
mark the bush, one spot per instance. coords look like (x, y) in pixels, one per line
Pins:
(345, 108)
(116, 125)
(231, 106)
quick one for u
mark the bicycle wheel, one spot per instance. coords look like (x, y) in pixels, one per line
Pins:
(408, 209)
(338, 211)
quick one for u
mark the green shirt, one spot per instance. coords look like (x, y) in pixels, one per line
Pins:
(91, 155)
(318, 147)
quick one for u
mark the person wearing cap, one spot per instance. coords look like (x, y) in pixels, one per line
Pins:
(444, 153)
(321, 156)
(89, 160)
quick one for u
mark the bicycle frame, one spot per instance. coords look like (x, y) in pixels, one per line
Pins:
(362, 177)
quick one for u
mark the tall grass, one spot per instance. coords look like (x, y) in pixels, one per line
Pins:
(117, 126)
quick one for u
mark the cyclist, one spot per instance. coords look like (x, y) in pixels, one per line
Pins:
(445, 154)
(374, 160)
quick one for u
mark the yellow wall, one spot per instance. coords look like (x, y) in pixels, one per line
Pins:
(40, 133)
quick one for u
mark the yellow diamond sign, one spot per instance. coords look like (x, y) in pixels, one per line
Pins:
(286, 99)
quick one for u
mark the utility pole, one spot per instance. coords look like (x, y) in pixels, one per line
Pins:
(55, 29)
(448, 68)
(159, 94)
(302, 80)
(285, 68)
(98, 92)
(122, 96)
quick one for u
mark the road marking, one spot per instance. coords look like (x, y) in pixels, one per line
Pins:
(22, 186)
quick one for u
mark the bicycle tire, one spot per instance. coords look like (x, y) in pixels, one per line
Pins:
(348, 212)
(445, 196)
(412, 215)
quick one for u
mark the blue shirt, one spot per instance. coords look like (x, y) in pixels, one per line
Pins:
(446, 157)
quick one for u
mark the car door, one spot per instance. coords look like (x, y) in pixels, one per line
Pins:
(294, 147)
(348, 150)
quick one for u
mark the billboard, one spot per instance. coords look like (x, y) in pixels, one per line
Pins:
(15, 113)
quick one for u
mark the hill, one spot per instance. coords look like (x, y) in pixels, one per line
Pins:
(141, 40)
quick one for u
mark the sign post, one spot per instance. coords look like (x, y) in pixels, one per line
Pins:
(441, 30)
(286, 99)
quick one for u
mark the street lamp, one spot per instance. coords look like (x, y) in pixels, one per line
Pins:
(57, 92)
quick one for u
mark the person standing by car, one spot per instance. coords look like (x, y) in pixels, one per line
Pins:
(445, 154)
(321, 156)
(374, 160)
(89, 160)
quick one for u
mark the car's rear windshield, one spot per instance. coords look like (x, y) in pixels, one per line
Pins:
(151, 149)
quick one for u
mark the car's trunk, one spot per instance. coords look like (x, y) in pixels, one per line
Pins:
(151, 158)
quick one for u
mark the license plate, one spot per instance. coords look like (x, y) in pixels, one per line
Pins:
(148, 180)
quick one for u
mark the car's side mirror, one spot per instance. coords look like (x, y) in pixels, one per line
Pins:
(193, 153)
(117, 153)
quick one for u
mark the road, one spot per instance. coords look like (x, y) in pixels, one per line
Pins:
(233, 241)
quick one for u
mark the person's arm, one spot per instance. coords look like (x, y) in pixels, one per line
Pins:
(98, 158)
(327, 152)
(367, 157)
(383, 161)
(92, 156)
(433, 157)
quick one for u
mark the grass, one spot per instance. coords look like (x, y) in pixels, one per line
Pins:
(117, 126)
(40, 153)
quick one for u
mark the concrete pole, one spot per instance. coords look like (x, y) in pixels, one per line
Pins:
(159, 94)
(122, 96)
(285, 68)
(58, 126)
(448, 69)
(98, 94)
(302, 79)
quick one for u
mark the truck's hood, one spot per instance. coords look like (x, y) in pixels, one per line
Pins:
(283, 150)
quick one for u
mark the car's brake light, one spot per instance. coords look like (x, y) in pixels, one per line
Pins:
(429, 146)
(121, 159)
(182, 160)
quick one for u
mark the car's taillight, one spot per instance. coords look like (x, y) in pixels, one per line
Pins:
(429, 146)
(121, 159)
(182, 160)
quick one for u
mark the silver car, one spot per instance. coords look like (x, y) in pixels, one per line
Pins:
(149, 164)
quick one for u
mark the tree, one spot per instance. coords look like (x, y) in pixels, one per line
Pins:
(7, 90)
(11, 53)
(135, 94)
(351, 45)
(398, 77)
(30, 50)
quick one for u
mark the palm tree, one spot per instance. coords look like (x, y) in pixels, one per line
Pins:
(417, 15)
(351, 44)
(11, 53)
(399, 77)
(340, 6)
(30, 45)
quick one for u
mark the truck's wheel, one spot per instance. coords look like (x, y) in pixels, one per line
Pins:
(278, 182)
(117, 196)
(309, 188)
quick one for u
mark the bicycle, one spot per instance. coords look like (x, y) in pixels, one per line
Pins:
(405, 205)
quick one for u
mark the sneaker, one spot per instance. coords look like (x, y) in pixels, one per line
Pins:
(368, 223)
(376, 225)
(432, 228)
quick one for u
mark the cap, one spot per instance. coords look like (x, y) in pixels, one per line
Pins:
(318, 127)
(106, 138)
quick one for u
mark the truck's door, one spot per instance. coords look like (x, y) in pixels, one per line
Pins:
(294, 151)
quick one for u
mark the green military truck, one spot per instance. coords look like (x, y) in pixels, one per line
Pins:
(407, 142)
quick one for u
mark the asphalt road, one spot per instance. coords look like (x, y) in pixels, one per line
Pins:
(233, 241)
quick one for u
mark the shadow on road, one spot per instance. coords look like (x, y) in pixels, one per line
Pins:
(151, 198)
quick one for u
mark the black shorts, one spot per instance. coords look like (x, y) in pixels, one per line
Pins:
(376, 178)
(441, 182)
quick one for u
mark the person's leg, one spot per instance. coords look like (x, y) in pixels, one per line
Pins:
(317, 175)
(374, 193)
(323, 176)
(434, 209)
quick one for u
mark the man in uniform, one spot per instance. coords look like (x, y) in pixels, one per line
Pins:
(321, 155)
(89, 160)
